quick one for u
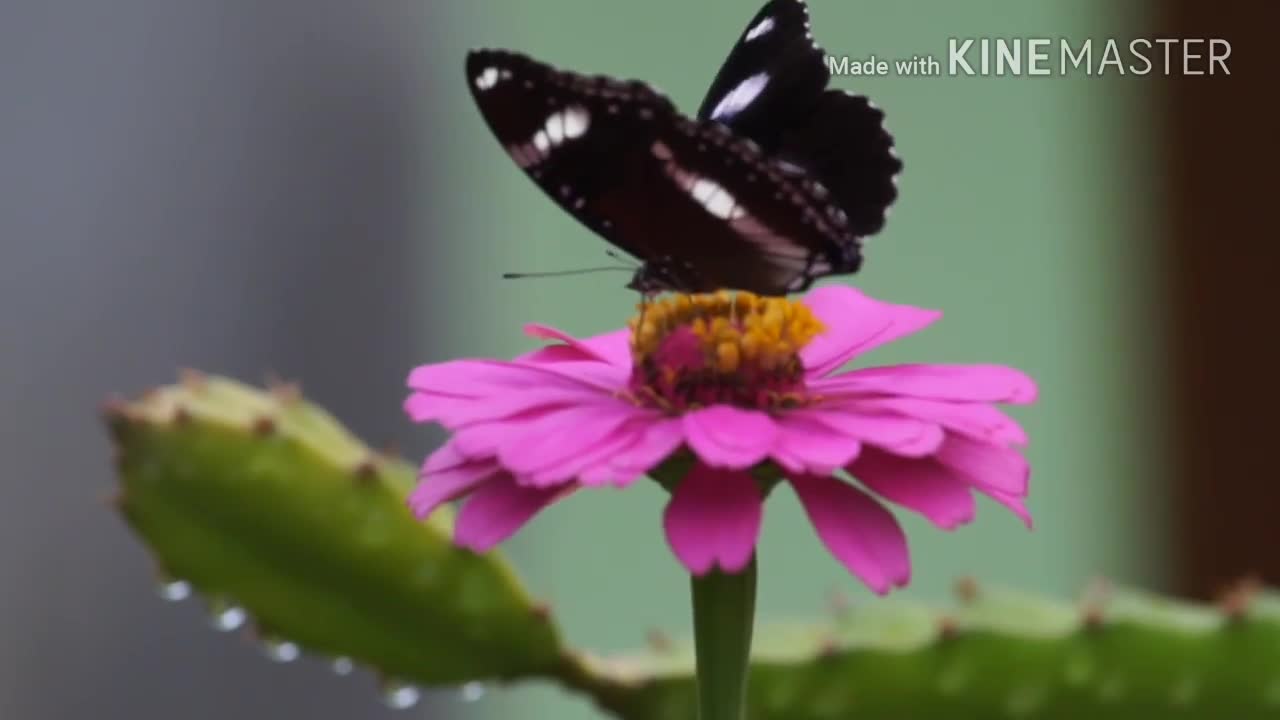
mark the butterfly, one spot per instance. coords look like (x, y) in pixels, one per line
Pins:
(773, 184)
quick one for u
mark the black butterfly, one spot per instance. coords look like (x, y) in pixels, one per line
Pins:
(772, 186)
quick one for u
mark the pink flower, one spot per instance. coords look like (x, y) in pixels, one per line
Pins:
(730, 383)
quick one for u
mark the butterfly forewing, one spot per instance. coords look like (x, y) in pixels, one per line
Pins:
(771, 78)
(772, 88)
(568, 132)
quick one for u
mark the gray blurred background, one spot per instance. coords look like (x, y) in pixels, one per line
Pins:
(233, 185)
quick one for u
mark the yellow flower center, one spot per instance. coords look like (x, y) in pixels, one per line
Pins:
(736, 348)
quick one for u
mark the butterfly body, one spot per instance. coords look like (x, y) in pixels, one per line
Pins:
(758, 192)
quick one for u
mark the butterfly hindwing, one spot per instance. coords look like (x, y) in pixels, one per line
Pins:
(751, 224)
(843, 143)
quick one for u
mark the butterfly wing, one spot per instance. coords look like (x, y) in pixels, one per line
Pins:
(843, 143)
(771, 78)
(688, 197)
(772, 88)
(568, 132)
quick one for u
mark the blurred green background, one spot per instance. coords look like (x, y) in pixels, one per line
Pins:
(1022, 215)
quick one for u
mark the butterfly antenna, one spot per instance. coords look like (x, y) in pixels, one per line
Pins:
(645, 297)
(562, 273)
(622, 258)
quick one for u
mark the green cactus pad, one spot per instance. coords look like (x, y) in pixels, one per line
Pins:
(263, 502)
(998, 655)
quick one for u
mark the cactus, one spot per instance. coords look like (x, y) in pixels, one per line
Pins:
(998, 654)
(269, 508)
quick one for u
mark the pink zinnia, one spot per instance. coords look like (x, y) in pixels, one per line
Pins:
(723, 385)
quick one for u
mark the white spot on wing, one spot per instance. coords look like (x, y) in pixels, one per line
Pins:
(488, 78)
(721, 205)
(792, 265)
(708, 193)
(741, 96)
(761, 28)
(703, 189)
(576, 121)
(555, 128)
(560, 127)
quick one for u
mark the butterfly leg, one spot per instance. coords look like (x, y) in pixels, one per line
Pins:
(644, 307)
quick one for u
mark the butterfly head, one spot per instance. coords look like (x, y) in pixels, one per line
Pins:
(666, 273)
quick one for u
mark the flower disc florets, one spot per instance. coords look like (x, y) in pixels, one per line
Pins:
(741, 349)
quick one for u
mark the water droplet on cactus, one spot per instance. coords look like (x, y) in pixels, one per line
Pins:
(282, 651)
(174, 590)
(400, 696)
(472, 691)
(229, 618)
(342, 666)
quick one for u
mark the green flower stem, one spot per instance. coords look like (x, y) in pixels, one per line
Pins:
(724, 608)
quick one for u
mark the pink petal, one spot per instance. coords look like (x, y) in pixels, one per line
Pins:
(858, 531)
(474, 378)
(486, 439)
(791, 463)
(455, 412)
(458, 413)
(979, 421)
(921, 485)
(498, 509)
(435, 489)
(559, 436)
(805, 445)
(613, 347)
(904, 436)
(602, 376)
(713, 519)
(586, 466)
(550, 354)
(730, 437)
(660, 440)
(962, 383)
(855, 323)
(1011, 502)
(989, 467)
(445, 457)
(420, 407)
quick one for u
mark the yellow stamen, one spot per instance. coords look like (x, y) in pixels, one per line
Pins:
(734, 331)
